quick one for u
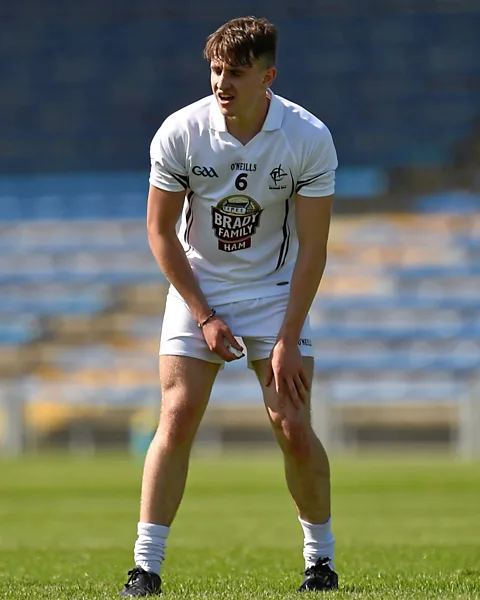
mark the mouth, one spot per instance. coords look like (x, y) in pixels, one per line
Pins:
(225, 99)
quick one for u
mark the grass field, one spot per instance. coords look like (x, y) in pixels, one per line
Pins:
(405, 528)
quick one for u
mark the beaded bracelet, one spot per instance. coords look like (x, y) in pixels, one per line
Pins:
(205, 321)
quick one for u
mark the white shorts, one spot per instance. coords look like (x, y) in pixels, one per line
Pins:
(257, 322)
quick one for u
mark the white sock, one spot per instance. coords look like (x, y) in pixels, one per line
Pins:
(318, 542)
(150, 546)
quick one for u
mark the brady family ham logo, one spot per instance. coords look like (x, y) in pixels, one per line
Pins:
(234, 220)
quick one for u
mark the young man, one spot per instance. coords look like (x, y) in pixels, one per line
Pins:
(254, 176)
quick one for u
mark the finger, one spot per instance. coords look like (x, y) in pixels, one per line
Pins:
(302, 392)
(223, 348)
(222, 352)
(292, 392)
(225, 355)
(233, 351)
(305, 380)
(218, 347)
(231, 340)
(279, 386)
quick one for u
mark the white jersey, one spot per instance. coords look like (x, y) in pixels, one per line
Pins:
(238, 223)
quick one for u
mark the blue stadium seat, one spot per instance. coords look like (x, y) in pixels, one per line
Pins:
(461, 330)
(107, 277)
(382, 390)
(457, 201)
(10, 208)
(108, 78)
(361, 182)
(397, 362)
(437, 271)
(407, 302)
(67, 305)
(18, 332)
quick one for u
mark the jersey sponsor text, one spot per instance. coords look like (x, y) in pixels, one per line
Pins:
(244, 167)
(235, 218)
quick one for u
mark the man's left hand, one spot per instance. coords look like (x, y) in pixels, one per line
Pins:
(287, 372)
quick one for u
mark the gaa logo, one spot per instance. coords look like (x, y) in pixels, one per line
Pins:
(204, 171)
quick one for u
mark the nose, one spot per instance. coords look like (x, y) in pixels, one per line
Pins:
(222, 81)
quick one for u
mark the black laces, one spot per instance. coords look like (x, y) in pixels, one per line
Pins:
(133, 575)
(321, 567)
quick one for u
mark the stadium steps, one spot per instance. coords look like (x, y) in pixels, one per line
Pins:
(20, 331)
(16, 361)
(381, 54)
(375, 344)
(100, 376)
(144, 298)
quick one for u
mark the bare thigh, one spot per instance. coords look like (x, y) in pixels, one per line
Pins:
(186, 385)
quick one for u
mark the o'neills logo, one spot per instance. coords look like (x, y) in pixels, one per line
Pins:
(234, 221)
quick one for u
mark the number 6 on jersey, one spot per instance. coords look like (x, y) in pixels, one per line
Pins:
(241, 182)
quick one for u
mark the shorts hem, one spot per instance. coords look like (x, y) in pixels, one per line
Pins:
(190, 355)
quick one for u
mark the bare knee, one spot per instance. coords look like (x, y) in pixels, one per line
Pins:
(177, 426)
(186, 386)
(179, 421)
(294, 434)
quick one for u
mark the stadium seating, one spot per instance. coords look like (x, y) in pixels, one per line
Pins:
(18, 332)
(84, 90)
(397, 316)
(90, 86)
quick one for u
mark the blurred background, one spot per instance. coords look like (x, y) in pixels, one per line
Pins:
(85, 85)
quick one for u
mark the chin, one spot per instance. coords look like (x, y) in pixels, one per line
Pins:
(227, 111)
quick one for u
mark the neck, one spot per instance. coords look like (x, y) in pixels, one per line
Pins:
(245, 127)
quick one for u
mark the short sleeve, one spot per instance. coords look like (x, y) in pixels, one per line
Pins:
(168, 160)
(318, 173)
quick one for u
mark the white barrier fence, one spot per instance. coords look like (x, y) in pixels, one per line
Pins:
(330, 427)
(326, 415)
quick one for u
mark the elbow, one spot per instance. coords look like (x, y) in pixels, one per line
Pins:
(159, 240)
(152, 234)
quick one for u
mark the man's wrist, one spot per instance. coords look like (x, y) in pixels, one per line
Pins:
(288, 337)
(200, 311)
(207, 319)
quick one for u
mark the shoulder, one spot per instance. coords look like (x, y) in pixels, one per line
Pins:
(190, 119)
(302, 126)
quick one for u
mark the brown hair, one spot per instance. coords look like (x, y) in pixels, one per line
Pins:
(242, 41)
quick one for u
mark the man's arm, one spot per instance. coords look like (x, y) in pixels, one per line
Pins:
(313, 225)
(163, 211)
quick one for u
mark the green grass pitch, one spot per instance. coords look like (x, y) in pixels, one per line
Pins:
(405, 527)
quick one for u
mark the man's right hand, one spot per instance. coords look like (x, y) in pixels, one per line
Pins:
(215, 333)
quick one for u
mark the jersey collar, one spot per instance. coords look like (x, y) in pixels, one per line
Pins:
(272, 121)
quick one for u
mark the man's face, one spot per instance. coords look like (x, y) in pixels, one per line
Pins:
(238, 89)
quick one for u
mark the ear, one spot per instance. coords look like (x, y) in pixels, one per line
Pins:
(270, 75)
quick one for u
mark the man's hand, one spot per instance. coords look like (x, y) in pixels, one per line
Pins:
(287, 373)
(215, 333)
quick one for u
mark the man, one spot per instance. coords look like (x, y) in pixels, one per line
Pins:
(254, 176)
